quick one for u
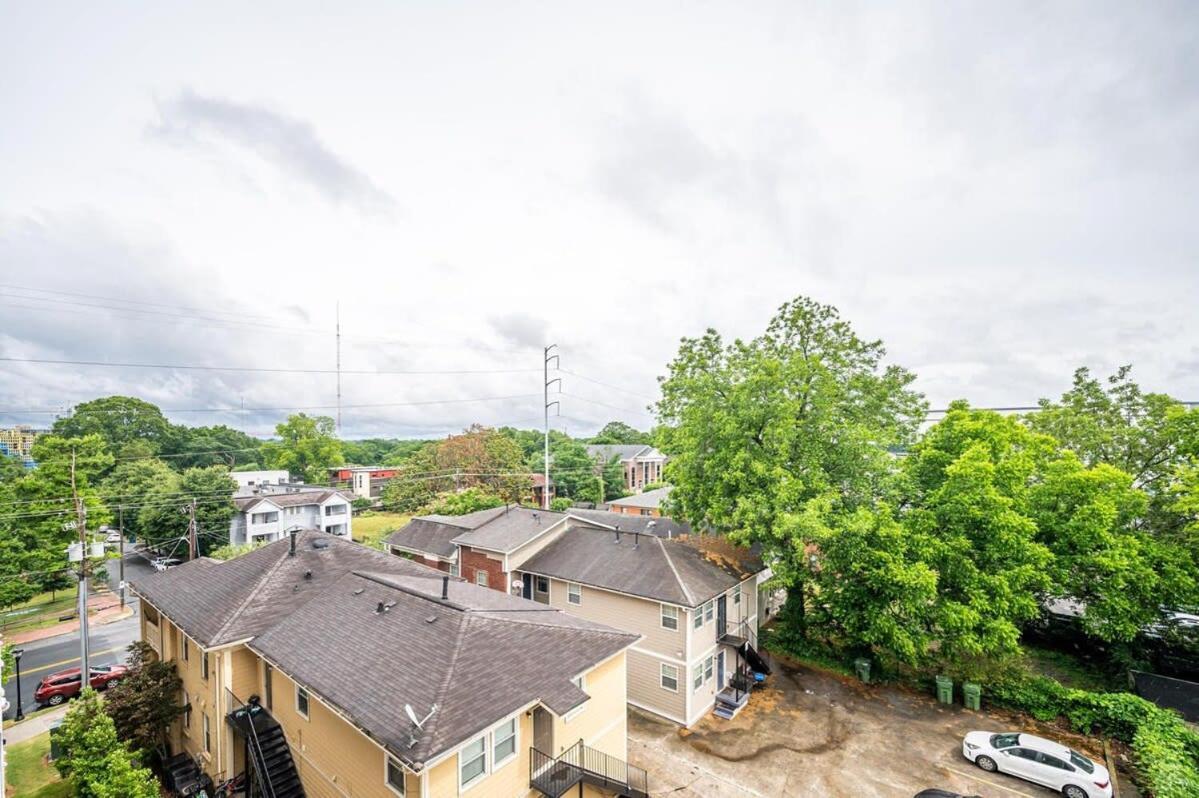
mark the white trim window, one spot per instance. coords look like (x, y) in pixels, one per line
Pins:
(698, 621)
(302, 703)
(454, 569)
(472, 762)
(503, 743)
(737, 596)
(393, 775)
(574, 593)
(708, 612)
(207, 735)
(668, 677)
(708, 669)
(670, 617)
(481, 578)
(697, 676)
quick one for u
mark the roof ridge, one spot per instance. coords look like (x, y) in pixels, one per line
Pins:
(686, 593)
(249, 596)
(439, 696)
(589, 630)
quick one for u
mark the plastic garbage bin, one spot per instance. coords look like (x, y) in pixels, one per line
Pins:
(55, 740)
(972, 695)
(861, 666)
(945, 689)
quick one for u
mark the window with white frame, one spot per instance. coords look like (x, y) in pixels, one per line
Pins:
(264, 518)
(301, 702)
(737, 596)
(481, 578)
(503, 743)
(574, 593)
(708, 669)
(394, 776)
(670, 617)
(697, 676)
(669, 677)
(335, 509)
(708, 612)
(543, 584)
(454, 569)
(698, 620)
(207, 736)
(472, 762)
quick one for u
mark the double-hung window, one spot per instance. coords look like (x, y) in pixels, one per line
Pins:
(472, 762)
(454, 569)
(503, 743)
(574, 593)
(737, 596)
(698, 620)
(481, 578)
(301, 702)
(395, 776)
(669, 677)
(207, 736)
(708, 612)
(697, 676)
(670, 617)
(708, 668)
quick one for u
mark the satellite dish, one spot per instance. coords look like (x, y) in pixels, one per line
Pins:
(411, 714)
(518, 584)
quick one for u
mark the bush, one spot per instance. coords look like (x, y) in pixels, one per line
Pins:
(560, 504)
(463, 502)
(230, 551)
(361, 503)
(95, 763)
(1166, 751)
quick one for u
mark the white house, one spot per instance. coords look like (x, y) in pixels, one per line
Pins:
(270, 516)
(254, 479)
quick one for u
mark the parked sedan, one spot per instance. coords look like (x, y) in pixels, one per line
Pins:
(58, 687)
(1040, 761)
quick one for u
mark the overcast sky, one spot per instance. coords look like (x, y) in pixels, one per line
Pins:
(1000, 194)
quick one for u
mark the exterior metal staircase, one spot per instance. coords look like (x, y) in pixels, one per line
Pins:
(267, 750)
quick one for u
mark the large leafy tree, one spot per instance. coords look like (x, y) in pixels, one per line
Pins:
(307, 447)
(129, 427)
(146, 702)
(770, 437)
(190, 447)
(94, 761)
(620, 432)
(1147, 435)
(479, 457)
(164, 515)
(131, 484)
(574, 473)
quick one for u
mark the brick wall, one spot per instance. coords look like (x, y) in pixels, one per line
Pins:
(474, 561)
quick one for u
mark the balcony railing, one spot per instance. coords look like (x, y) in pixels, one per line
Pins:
(554, 776)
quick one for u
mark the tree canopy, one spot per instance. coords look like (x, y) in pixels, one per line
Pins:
(307, 448)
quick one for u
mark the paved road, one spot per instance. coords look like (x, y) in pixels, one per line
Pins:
(108, 643)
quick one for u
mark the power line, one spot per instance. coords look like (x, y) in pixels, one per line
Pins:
(257, 369)
(606, 384)
(240, 409)
(605, 404)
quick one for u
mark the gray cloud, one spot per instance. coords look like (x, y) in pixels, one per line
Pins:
(288, 143)
(521, 329)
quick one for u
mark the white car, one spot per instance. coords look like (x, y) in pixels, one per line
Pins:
(1040, 761)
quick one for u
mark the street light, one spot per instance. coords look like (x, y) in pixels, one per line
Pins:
(16, 658)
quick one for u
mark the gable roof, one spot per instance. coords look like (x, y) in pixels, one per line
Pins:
(625, 451)
(509, 529)
(650, 499)
(290, 499)
(469, 654)
(686, 571)
(427, 536)
(217, 603)
(644, 524)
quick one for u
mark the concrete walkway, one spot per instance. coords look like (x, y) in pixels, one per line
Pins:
(99, 613)
(32, 727)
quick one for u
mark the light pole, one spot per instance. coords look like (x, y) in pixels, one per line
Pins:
(16, 658)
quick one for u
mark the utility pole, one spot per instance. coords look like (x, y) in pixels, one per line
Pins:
(192, 548)
(338, 323)
(81, 523)
(545, 488)
(121, 531)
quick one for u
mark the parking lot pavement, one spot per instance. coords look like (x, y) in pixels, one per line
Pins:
(809, 733)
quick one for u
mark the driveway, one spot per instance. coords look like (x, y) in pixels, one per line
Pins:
(809, 733)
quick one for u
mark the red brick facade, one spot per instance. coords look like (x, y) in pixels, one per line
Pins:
(475, 561)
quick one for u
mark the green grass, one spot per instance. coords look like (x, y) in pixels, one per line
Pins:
(371, 528)
(1070, 671)
(30, 775)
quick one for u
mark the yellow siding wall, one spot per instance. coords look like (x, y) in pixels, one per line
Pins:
(604, 713)
(629, 614)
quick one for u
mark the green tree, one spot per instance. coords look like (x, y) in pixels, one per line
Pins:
(307, 448)
(131, 484)
(194, 447)
(620, 432)
(95, 763)
(573, 471)
(121, 422)
(478, 457)
(613, 477)
(467, 501)
(165, 516)
(763, 433)
(146, 702)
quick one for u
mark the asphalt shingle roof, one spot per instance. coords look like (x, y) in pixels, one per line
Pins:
(510, 529)
(645, 524)
(221, 602)
(685, 571)
(479, 656)
(625, 451)
(296, 499)
(651, 499)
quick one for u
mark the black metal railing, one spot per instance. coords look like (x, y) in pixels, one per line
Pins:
(734, 633)
(241, 716)
(554, 776)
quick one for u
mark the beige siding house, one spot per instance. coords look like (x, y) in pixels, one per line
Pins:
(331, 670)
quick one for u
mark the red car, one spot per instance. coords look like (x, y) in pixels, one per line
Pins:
(58, 687)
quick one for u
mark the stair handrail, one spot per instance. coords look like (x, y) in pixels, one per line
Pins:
(258, 758)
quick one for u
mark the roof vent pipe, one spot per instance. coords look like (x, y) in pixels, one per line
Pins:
(618, 533)
(445, 587)
(379, 608)
(292, 550)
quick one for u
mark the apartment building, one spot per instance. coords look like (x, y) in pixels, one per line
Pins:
(329, 670)
(692, 600)
(18, 441)
(647, 503)
(365, 482)
(270, 513)
(642, 464)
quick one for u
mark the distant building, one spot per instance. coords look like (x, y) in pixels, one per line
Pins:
(642, 464)
(538, 490)
(18, 441)
(365, 482)
(252, 479)
(270, 512)
(647, 503)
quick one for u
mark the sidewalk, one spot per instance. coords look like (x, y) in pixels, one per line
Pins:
(28, 729)
(101, 613)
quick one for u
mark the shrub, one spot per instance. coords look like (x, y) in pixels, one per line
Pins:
(96, 764)
(561, 504)
(361, 503)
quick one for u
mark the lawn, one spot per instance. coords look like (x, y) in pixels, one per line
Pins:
(30, 775)
(41, 610)
(371, 528)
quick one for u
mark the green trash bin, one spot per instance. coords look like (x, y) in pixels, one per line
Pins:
(55, 739)
(945, 689)
(861, 667)
(972, 695)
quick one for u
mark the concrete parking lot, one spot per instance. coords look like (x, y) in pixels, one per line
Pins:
(809, 733)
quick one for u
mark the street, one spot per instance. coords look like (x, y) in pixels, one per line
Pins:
(108, 644)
